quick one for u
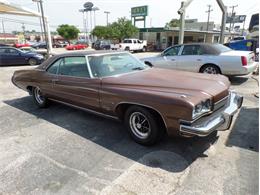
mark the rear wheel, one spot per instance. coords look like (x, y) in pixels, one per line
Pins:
(144, 49)
(127, 49)
(142, 125)
(32, 61)
(39, 98)
(210, 69)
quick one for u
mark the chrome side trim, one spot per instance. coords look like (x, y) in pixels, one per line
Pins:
(134, 103)
(85, 109)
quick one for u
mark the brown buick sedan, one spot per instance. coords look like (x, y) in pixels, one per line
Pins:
(150, 101)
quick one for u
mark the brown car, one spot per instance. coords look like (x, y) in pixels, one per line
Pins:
(150, 101)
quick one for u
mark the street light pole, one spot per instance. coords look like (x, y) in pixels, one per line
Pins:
(94, 9)
(107, 12)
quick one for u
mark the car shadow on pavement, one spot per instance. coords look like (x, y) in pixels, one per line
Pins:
(238, 80)
(111, 134)
(245, 132)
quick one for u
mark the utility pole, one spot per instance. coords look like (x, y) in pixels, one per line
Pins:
(38, 6)
(208, 11)
(107, 12)
(3, 27)
(232, 17)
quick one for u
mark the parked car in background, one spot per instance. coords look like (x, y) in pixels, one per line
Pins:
(76, 46)
(60, 44)
(40, 45)
(150, 101)
(3, 45)
(31, 49)
(102, 44)
(18, 45)
(13, 56)
(205, 58)
(131, 45)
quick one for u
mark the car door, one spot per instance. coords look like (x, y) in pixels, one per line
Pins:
(74, 84)
(168, 58)
(15, 56)
(3, 57)
(191, 58)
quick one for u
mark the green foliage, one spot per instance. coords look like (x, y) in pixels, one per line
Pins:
(101, 32)
(119, 30)
(68, 32)
(173, 23)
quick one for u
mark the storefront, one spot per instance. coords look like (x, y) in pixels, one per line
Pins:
(161, 38)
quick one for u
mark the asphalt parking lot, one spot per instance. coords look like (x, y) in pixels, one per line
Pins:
(61, 150)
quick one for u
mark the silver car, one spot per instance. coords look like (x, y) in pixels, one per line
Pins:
(205, 58)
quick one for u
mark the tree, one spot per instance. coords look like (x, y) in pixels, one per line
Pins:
(68, 32)
(173, 23)
(123, 28)
(119, 30)
(102, 32)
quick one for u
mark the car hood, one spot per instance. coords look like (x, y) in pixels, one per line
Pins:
(195, 87)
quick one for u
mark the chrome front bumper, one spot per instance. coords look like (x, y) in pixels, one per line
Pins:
(218, 120)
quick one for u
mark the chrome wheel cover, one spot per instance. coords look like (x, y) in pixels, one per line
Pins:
(38, 95)
(32, 62)
(210, 70)
(139, 125)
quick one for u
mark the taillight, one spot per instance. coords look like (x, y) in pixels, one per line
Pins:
(244, 60)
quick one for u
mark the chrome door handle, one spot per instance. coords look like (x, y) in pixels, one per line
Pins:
(198, 59)
(172, 59)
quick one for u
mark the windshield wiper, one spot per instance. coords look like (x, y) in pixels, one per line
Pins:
(138, 68)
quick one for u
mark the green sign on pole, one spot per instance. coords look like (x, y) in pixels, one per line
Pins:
(139, 11)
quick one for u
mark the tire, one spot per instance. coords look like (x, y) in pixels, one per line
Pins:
(144, 49)
(32, 61)
(147, 133)
(39, 99)
(127, 49)
(210, 69)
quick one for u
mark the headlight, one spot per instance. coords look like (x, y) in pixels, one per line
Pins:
(201, 108)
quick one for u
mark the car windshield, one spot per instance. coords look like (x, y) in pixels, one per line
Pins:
(114, 64)
(221, 48)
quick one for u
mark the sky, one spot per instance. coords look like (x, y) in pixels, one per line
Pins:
(159, 12)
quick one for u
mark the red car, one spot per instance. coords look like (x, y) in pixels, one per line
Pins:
(76, 47)
(19, 45)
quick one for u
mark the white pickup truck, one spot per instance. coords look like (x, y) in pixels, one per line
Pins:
(130, 45)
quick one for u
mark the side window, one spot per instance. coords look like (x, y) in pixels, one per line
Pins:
(2, 51)
(53, 69)
(173, 51)
(12, 52)
(74, 66)
(192, 50)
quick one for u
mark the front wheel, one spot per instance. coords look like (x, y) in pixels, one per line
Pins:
(210, 69)
(39, 99)
(32, 61)
(142, 125)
